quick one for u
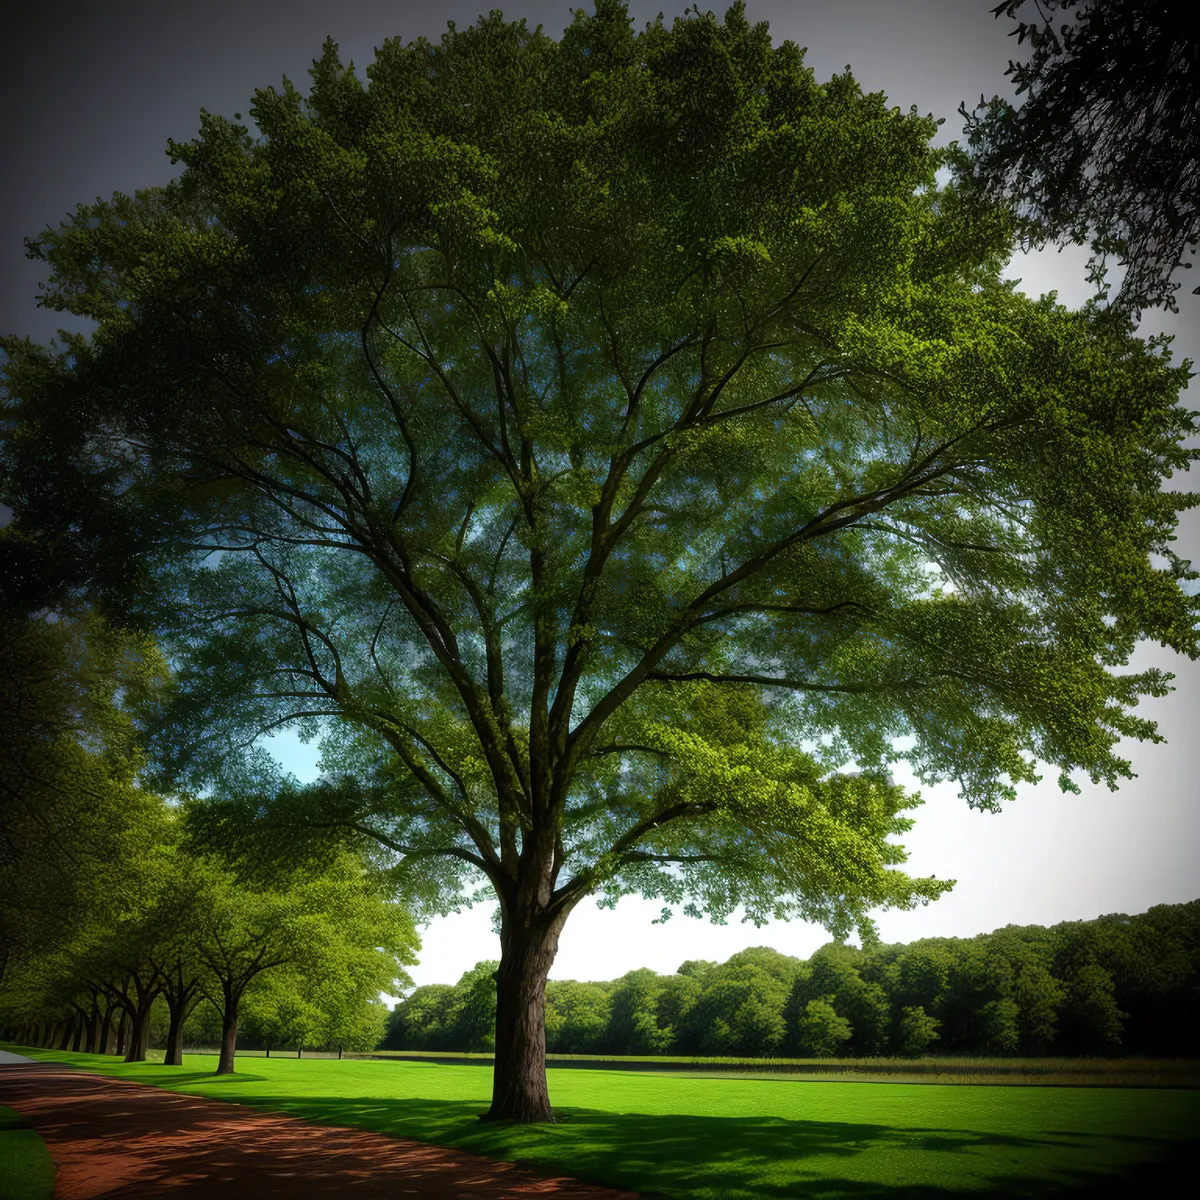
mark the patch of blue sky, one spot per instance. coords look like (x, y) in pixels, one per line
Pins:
(296, 757)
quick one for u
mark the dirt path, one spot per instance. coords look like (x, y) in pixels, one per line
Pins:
(112, 1138)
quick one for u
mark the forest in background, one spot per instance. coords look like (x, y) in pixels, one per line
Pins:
(1115, 985)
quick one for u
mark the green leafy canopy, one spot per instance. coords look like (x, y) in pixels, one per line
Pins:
(602, 442)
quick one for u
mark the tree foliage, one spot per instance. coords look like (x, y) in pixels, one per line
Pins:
(1115, 985)
(72, 818)
(175, 924)
(1104, 147)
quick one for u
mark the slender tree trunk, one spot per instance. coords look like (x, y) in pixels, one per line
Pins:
(139, 1034)
(105, 1036)
(174, 1054)
(527, 950)
(180, 1006)
(133, 1048)
(77, 1040)
(122, 1031)
(229, 1024)
(299, 1047)
(65, 1041)
(92, 1024)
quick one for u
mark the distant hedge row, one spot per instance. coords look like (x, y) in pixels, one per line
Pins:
(1118, 984)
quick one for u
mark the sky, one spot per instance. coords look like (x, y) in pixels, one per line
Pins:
(92, 92)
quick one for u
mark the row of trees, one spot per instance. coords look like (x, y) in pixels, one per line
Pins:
(309, 953)
(116, 905)
(1116, 984)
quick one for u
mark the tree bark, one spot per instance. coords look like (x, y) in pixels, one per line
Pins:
(229, 1024)
(122, 1032)
(106, 1030)
(180, 1004)
(139, 1032)
(92, 1026)
(527, 951)
(180, 994)
(174, 1054)
(65, 1041)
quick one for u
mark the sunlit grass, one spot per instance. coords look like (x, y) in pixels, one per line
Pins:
(680, 1135)
(1044, 1072)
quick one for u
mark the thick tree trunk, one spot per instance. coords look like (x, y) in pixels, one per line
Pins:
(527, 950)
(64, 1042)
(77, 1040)
(229, 1024)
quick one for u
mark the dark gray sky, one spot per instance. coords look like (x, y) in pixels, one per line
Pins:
(90, 94)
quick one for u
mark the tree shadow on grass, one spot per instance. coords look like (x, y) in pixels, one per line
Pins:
(770, 1158)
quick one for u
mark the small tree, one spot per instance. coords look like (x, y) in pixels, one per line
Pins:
(310, 925)
(820, 1032)
(917, 1031)
(577, 1016)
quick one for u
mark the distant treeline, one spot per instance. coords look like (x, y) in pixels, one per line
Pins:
(1115, 985)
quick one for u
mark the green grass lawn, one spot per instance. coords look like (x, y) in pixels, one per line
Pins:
(1073, 1072)
(26, 1171)
(736, 1139)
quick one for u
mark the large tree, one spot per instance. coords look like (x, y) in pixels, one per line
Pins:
(1103, 143)
(605, 443)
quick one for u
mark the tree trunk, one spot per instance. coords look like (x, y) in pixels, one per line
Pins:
(122, 1031)
(91, 1026)
(174, 1054)
(77, 1040)
(65, 1041)
(229, 1024)
(180, 1004)
(139, 1031)
(527, 950)
(105, 1031)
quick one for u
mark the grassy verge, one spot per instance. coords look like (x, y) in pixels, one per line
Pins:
(26, 1170)
(677, 1135)
(1043, 1072)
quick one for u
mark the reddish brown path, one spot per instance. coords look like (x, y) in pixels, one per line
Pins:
(113, 1138)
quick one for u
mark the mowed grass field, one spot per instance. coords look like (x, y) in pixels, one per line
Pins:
(26, 1170)
(739, 1139)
